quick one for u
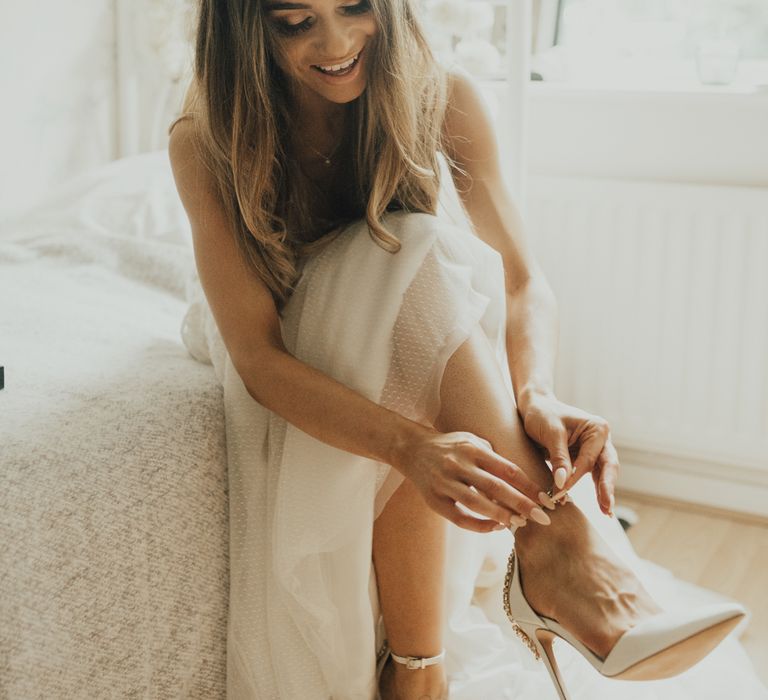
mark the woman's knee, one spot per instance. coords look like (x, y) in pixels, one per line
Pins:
(406, 508)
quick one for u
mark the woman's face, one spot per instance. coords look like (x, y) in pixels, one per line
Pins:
(324, 34)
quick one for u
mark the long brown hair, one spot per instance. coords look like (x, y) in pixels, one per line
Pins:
(240, 108)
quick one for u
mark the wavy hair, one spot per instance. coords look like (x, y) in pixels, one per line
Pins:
(241, 112)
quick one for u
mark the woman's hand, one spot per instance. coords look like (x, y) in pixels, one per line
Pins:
(461, 467)
(566, 432)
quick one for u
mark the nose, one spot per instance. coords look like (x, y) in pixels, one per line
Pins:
(334, 42)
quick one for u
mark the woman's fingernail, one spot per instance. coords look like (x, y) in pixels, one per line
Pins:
(546, 500)
(540, 516)
(560, 477)
(499, 526)
(517, 521)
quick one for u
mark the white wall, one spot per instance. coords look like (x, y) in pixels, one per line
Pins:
(630, 189)
(56, 76)
(707, 137)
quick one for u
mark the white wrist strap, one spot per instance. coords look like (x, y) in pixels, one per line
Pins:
(414, 662)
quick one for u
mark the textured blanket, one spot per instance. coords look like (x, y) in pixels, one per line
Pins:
(113, 503)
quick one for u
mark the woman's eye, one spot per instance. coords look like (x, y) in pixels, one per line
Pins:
(293, 29)
(359, 8)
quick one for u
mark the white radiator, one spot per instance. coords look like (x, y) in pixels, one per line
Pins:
(663, 298)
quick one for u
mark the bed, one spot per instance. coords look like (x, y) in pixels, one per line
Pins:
(113, 491)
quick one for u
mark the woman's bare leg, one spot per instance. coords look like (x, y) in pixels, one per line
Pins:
(560, 560)
(409, 558)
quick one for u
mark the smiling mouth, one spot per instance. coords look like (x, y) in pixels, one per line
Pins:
(341, 68)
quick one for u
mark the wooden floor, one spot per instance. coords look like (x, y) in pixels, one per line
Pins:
(716, 550)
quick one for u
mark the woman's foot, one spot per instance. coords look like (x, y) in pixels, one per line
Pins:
(400, 683)
(570, 574)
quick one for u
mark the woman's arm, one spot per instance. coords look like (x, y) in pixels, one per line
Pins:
(245, 314)
(247, 319)
(532, 317)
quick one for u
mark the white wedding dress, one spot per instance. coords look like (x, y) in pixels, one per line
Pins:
(304, 619)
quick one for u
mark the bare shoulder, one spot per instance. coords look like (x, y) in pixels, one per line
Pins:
(468, 131)
(181, 142)
(240, 301)
(192, 177)
(462, 87)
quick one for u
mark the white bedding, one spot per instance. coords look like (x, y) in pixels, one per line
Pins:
(113, 504)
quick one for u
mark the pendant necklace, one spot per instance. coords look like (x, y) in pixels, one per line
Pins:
(326, 158)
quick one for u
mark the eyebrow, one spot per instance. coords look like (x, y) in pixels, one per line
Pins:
(286, 6)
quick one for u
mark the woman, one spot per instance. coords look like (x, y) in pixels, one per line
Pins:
(372, 351)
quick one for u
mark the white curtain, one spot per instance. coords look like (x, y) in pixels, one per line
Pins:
(57, 105)
(154, 61)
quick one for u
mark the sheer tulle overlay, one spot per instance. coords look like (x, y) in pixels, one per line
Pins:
(304, 620)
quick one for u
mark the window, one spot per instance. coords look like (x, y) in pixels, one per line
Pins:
(656, 41)
(662, 28)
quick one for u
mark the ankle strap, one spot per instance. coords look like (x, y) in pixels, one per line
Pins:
(414, 662)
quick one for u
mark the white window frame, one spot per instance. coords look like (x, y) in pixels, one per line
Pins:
(676, 130)
(631, 74)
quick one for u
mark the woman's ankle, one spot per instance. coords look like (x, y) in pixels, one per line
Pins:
(566, 519)
(430, 683)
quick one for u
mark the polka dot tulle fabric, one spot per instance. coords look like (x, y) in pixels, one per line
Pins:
(304, 620)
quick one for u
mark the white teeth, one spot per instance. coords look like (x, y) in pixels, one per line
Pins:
(340, 66)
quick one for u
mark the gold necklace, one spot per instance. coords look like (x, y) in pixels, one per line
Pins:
(326, 158)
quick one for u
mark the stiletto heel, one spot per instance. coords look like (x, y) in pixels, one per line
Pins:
(544, 640)
(661, 646)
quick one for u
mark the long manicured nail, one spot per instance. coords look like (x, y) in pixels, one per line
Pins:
(546, 500)
(517, 521)
(560, 477)
(540, 516)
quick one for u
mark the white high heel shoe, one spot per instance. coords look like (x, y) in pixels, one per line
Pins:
(660, 646)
